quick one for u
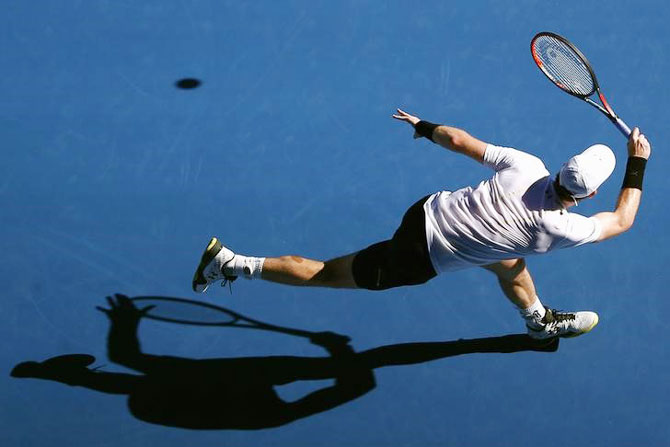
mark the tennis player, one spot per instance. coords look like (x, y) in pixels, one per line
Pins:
(521, 211)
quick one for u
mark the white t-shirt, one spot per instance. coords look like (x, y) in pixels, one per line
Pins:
(514, 214)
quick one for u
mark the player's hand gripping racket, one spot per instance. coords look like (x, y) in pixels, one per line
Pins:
(569, 69)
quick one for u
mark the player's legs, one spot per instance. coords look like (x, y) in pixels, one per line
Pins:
(518, 286)
(400, 261)
(299, 271)
(219, 263)
(515, 282)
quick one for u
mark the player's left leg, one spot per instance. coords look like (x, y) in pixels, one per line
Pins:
(518, 286)
(515, 282)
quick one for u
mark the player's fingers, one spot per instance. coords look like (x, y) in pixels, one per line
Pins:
(103, 310)
(645, 143)
(111, 303)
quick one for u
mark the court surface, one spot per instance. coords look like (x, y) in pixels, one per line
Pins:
(112, 181)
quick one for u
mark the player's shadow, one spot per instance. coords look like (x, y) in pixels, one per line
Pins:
(238, 393)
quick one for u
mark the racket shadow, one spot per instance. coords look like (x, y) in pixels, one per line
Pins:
(199, 313)
(238, 393)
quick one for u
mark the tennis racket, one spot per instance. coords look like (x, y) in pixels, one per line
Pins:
(183, 311)
(570, 71)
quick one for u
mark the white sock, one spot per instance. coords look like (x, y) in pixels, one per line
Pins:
(248, 266)
(534, 314)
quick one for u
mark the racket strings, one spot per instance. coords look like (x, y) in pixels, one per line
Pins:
(563, 66)
(186, 311)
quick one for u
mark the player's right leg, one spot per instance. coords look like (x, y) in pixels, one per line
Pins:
(400, 261)
(211, 264)
(299, 271)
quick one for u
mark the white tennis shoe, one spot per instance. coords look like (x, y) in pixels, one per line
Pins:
(563, 324)
(210, 269)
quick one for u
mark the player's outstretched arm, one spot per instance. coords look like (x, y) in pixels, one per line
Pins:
(452, 138)
(621, 219)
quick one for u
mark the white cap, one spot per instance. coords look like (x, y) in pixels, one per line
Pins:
(584, 173)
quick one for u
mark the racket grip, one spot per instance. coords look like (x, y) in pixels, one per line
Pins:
(625, 130)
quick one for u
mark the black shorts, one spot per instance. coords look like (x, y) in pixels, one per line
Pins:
(400, 261)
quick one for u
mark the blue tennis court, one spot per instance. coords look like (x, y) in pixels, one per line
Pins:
(112, 181)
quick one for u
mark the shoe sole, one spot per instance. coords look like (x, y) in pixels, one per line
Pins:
(577, 334)
(213, 249)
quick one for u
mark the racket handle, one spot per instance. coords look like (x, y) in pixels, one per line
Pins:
(625, 130)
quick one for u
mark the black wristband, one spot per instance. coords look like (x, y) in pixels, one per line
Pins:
(634, 173)
(425, 129)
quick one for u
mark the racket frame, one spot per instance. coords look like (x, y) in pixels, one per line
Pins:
(605, 109)
(238, 320)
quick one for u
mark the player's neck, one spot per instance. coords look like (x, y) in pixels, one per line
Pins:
(566, 204)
